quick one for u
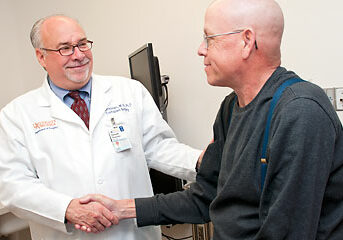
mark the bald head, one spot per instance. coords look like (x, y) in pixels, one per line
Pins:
(264, 17)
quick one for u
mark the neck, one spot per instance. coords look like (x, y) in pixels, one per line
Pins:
(252, 85)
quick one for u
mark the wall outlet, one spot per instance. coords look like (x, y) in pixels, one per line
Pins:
(339, 99)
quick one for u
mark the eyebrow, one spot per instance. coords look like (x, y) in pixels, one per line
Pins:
(68, 43)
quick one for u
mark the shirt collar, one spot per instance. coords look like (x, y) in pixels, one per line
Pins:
(61, 93)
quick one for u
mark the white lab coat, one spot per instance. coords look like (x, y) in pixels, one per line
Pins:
(48, 156)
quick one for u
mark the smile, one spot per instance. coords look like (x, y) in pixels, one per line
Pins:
(78, 66)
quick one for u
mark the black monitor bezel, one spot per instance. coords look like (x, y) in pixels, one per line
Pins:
(154, 71)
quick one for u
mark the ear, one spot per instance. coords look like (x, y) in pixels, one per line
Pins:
(249, 38)
(41, 57)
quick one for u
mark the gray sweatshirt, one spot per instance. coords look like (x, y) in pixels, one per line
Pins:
(302, 196)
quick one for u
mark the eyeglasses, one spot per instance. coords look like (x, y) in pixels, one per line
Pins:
(68, 50)
(206, 38)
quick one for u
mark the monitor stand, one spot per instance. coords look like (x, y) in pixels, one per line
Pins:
(163, 183)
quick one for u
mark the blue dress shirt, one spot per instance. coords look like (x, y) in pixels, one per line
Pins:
(85, 93)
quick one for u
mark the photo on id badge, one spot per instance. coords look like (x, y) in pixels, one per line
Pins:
(118, 135)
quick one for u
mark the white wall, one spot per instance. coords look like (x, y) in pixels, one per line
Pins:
(312, 47)
(312, 41)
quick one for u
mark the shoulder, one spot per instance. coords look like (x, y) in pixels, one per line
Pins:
(120, 87)
(117, 80)
(26, 100)
(308, 102)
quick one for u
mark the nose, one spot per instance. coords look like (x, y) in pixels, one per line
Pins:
(202, 50)
(77, 54)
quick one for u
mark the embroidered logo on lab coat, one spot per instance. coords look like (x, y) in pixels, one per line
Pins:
(124, 107)
(44, 125)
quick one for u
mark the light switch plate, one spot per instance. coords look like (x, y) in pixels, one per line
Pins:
(339, 99)
(330, 92)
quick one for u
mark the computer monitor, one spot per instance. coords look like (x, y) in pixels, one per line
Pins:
(144, 67)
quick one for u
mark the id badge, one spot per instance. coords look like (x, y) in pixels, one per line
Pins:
(118, 137)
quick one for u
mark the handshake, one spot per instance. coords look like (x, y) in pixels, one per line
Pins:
(95, 212)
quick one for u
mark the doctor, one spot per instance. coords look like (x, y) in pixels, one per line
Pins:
(82, 133)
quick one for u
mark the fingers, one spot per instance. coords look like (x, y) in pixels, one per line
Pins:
(115, 220)
(106, 201)
(86, 199)
(104, 218)
(110, 216)
(86, 229)
(103, 222)
(107, 217)
(89, 215)
(93, 198)
(89, 229)
(92, 213)
(97, 226)
(83, 228)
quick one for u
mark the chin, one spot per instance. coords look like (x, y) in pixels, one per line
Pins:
(83, 78)
(211, 81)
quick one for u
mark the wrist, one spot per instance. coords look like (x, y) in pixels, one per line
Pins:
(68, 211)
(126, 208)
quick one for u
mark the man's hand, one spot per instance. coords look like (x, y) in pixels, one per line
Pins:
(94, 216)
(122, 209)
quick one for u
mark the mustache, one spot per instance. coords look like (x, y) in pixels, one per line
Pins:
(78, 63)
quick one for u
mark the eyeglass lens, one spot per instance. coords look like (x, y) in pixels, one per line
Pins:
(82, 46)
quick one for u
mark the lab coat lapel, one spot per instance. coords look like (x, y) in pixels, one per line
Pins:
(59, 109)
(100, 100)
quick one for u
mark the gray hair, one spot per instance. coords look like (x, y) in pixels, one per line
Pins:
(35, 34)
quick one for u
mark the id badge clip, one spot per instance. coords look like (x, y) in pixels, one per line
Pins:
(118, 137)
